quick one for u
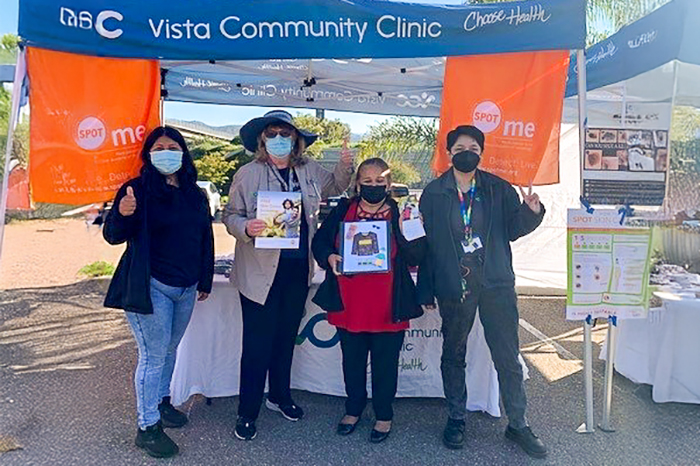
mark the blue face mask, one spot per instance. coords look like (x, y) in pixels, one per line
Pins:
(279, 147)
(167, 162)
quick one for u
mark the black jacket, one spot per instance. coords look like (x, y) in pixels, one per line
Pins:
(507, 218)
(130, 288)
(405, 304)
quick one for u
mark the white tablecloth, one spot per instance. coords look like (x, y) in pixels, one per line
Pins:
(208, 359)
(663, 350)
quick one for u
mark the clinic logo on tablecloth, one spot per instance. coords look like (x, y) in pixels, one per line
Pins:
(328, 336)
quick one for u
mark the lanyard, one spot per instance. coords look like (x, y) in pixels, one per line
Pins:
(287, 186)
(466, 209)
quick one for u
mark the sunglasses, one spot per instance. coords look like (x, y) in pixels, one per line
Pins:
(284, 132)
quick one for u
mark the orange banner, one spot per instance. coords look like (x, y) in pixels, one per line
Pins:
(89, 118)
(516, 99)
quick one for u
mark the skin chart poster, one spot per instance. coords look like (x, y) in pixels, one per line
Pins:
(608, 266)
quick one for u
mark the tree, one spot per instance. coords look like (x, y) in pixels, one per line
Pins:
(331, 133)
(211, 157)
(407, 144)
(9, 45)
(20, 141)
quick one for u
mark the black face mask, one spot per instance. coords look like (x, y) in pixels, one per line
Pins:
(466, 161)
(373, 194)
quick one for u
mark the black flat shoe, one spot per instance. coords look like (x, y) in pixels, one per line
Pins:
(346, 429)
(378, 437)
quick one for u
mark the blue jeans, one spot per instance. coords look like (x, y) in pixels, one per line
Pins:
(157, 336)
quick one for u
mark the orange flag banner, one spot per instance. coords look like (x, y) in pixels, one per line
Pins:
(516, 99)
(89, 118)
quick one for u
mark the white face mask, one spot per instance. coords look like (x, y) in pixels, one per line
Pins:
(279, 147)
(167, 162)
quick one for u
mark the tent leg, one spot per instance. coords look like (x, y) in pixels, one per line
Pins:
(20, 71)
(586, 427)
(605, 425)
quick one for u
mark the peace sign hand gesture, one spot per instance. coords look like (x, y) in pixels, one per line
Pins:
(531, 199)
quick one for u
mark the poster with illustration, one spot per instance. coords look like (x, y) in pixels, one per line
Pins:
(281, 211)
(365, 247)
(609, 266)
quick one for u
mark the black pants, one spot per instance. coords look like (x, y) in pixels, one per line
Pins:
(384, 349)
(498, 312)
(269, 335)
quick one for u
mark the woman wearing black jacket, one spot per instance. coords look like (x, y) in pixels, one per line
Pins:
(471, 217)
(164, 218)
(370, 310)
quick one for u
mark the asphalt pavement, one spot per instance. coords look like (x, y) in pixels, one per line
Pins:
(66, 397)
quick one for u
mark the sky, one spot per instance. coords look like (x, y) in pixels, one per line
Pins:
(219, 115)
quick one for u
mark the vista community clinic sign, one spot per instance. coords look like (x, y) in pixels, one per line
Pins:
(207, 29)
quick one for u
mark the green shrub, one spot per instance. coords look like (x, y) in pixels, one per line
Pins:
(97, 269)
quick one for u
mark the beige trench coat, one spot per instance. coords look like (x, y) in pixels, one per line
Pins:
(254, 269)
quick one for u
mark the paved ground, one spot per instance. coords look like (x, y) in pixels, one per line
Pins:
(39, 253)
(66, 397)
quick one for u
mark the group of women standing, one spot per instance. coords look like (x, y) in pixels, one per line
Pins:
(464, 262)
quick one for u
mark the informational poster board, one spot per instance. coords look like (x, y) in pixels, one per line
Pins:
(366, 247)
(627, 153)
(281, 212)
(608, 266)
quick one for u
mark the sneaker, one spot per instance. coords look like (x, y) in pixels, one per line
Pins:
(245, 429)
(169, 416)
(528, 441)
(453, 436)
(289, 410)
(156, 442)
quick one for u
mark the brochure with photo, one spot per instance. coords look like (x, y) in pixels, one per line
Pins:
(281, 211)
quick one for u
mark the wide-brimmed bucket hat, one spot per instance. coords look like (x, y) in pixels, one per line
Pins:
(251, 130)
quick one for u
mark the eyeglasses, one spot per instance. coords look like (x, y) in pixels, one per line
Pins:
(284, 132)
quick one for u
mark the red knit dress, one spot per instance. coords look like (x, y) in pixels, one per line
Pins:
(367, 297)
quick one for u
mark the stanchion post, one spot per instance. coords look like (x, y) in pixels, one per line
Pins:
(605, 424)
(587, 427)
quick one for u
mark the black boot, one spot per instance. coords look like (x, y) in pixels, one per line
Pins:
(170, 416)
(453, 436)
(156, 442)
(528, 441)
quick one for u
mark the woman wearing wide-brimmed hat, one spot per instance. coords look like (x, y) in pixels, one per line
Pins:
(274, 283)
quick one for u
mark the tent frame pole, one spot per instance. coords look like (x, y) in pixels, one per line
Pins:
(605, 424)
(20, 71)
(587, 426)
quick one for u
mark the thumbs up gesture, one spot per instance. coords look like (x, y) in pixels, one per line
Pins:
(127, 206)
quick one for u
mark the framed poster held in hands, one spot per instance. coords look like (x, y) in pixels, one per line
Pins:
(365, 247)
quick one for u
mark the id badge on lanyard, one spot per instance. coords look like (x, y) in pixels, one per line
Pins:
(471, 242)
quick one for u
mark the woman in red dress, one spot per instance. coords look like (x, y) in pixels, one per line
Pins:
(370, 310)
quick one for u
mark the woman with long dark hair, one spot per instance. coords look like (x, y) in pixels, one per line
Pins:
(164, 218)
